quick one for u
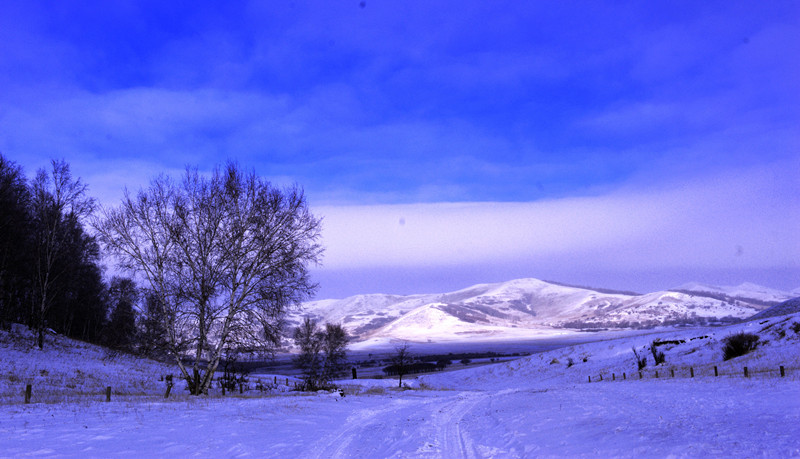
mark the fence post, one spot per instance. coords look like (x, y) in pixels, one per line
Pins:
(590, 379)
(613, 377)
(601, 377)
(672, 372)
(108, 393)
(716, 373)
(783, 372)
(691, 371)
(27, 393)
(745, 372)
(287, 382)
(623, 376)
(656, 374)
(276, 380)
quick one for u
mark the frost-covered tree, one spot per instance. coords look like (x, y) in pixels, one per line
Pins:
(226, 254)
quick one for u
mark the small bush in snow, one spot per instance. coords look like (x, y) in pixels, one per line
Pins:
(641, 361)
(738, 344)
(658, 356)
(570, 362)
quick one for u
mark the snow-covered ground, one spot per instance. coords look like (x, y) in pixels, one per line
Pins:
(536, 406)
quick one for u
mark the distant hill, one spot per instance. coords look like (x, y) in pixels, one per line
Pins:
(787, 307)
(530, 308)
(756, 295)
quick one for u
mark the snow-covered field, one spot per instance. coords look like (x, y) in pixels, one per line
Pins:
(535, 406)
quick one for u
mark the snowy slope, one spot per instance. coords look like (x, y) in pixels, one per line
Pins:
(787, 307)
(67, 368)
(747, 292)
(527, 308)
(539, 406)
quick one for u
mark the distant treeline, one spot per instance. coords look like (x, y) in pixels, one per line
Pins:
(648, 324)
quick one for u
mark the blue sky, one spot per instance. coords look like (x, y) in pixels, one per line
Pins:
(636, 145)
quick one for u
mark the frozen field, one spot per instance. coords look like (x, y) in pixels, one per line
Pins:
(535, 406)
(738, 418)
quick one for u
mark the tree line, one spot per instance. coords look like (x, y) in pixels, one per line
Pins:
(221, 258)
(50, 272)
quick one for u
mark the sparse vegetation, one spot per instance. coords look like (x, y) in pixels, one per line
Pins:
(658, 356)
(641, 360)
(739, 344)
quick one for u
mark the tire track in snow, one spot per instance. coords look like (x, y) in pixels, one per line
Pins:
(453, 440)
(336, 445)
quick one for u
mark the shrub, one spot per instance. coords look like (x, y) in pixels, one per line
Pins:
(641, 361)
(738, 344)
(570, 362)
(658, 356)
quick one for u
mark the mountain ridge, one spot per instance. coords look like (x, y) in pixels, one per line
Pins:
(529, 308)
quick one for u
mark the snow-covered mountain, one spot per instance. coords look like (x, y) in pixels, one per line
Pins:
(530, 308)
(746, 293)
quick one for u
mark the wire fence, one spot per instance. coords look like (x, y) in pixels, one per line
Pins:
(676, 372)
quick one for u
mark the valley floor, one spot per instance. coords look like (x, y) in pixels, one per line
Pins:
(682, 417)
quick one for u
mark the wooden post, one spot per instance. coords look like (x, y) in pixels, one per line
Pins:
(355, 376)
(169, 386)
(276, 380)
(716, 373)
(672, 372)
(601, 377)
(27, 393)
(745, 372)
(108, 393)
(656, 374)
(623, 376)
(287, 382)
(783, 372)
(613, 377)
(691, 371)
(590, 379)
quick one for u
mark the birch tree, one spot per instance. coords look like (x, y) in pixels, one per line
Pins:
(58, 203)
(226, 255)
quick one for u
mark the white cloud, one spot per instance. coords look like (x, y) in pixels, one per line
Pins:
(746, 219)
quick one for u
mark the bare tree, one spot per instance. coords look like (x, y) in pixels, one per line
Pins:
(334, 348)
(322, 353)
(310, 341)
(226, 255)
(57, 203)
(402, 360)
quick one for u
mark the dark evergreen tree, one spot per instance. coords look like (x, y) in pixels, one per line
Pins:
(15, 244)
(153, 331)
(121, 329)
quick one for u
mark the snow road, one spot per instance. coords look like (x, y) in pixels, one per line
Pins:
(729, 417)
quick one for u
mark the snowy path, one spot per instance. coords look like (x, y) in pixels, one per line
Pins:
(735, 418)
